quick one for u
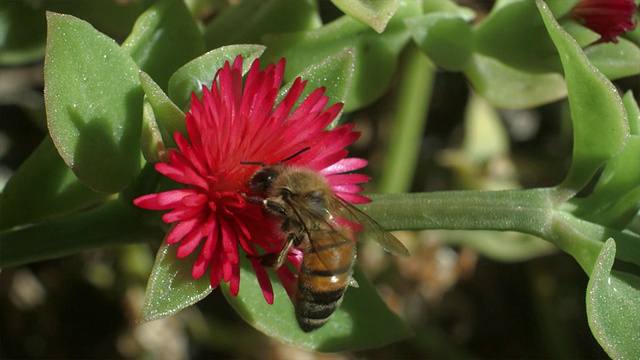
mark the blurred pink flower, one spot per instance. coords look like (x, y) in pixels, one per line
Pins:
(236, 122)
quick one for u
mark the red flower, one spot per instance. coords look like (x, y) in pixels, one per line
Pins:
(609, 18)
(235, 123)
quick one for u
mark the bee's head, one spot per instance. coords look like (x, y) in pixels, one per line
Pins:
(262, 181)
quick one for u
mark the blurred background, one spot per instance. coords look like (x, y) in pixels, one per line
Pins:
(465, 294)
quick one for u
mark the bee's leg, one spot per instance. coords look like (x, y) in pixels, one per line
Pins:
(276, 259)
(252, 199)
(275, 208)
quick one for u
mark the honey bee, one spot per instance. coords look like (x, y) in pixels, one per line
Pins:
(324, 226)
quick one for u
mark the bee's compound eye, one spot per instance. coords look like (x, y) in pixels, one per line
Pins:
(261, 182)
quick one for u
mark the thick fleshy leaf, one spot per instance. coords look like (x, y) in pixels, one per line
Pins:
(509, 88)
(43, 187)
(373, 13)
(260, 17)
(448, 6)
(625, 62)
(376, 54)
(633, 113)
(362, 321)
(151, 143)
(164, 38)
(94, 103)
(514, 34)
(201, 71)
(334, 73)
(167, 116)
(613, 300)
(171, 287)
(616, 198)
(613, 60)
(600, 125)
(446, 38)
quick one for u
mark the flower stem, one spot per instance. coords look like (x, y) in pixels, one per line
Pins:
(110, 224)
(410, 119)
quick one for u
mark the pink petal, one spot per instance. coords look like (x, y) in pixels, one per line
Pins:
(344, 165)
(174, 197)
(190, 242)
(234, 284)
(181, 213)
(353, 198)
(263, 280)
(181, 230)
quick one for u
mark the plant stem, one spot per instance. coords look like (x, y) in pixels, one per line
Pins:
(526, 211)
(111, 224)
(410, 119)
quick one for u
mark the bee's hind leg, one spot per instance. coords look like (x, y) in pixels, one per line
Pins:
(276, 259)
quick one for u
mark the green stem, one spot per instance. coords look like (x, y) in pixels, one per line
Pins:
(527, 211)
(410, 119)
(464, 210)
(111, 224)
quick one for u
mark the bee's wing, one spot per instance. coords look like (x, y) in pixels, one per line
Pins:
(327, 234)
(370, 229)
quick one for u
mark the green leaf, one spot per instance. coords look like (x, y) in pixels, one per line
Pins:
(616, 198)
(164, 38)
(624, 63)
(167, 117)
(171, 287)
(151, 143)
(514, 34)
(334, 73)
(43, 187)
(200, 71)
(376, 54)
(362, 321)
(613, 300)
(94, 103)
(260, 17)
(633, 113)
(613, 60)
(600, 125)
(373, 13)
(448, 6)
(509, 88)
(444, 37)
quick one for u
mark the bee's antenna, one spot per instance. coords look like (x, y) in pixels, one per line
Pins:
(253, 163)
(294, 155)
(279, 162)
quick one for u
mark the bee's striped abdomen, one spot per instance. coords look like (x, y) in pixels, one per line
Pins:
(323, 279)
